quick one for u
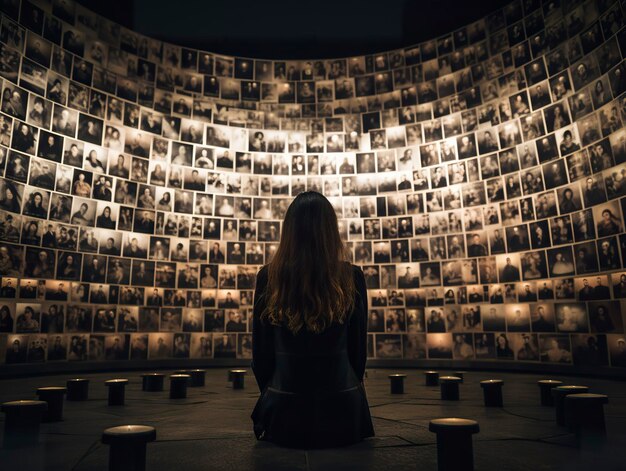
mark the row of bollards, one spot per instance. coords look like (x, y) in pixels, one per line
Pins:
(127, 442)
(575, 408)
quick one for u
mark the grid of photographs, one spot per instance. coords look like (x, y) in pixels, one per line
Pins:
(479, 179)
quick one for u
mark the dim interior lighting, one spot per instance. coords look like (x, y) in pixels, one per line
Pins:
(156, 257)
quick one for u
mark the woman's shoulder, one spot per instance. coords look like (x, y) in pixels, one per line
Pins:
(357, 270)
(261, 276)
(359, 277)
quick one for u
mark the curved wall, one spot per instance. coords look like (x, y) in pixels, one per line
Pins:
(479, 180)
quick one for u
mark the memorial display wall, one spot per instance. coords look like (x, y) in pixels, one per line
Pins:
(479, 178)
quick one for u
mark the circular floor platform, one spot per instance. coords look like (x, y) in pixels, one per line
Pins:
(211, 428)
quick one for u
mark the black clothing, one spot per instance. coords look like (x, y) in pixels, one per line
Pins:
(155, 300)
(497, 246)
(546, 293)
(542, 325)
(601, 292)
(509, 273)
(105, 222)
(586, 294)
(6, 324)
(216, 257)
(7, 292)
(312, 394)
(109, 251)
(49, 240)
(527, 297)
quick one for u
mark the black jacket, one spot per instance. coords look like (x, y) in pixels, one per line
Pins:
(312, 394)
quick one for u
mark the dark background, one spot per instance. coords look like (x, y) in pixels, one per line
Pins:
(292, 29)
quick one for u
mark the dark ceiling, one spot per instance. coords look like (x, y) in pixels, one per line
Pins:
(292, 29)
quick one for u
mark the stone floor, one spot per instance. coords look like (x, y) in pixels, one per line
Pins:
(211, 429)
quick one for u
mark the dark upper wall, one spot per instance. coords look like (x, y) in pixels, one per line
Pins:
(284, 29)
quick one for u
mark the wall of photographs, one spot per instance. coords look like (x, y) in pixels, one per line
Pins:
(479, 178)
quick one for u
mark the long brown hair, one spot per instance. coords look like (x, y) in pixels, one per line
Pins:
(309, 283)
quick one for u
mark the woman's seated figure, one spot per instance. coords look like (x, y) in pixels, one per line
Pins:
(309, 335)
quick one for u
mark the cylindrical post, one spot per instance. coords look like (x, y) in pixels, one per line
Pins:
(558, 394)
(584, 413)
(454, 443)
(178, 386)
(127, 457)
(22, 423)
(152, 382)
(449, 388)
(116, 391)
(432, 378)
(397, 383)
(492, 392)
(77, 389)
(128, 446)
(53, 396)
(545, 391)
(238, 378)
(197, 378)
(455, 452)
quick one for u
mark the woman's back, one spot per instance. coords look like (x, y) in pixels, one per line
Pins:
(311, 383)
(309, 339)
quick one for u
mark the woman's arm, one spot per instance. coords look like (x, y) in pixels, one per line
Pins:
(357, 327)
(262, 336)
